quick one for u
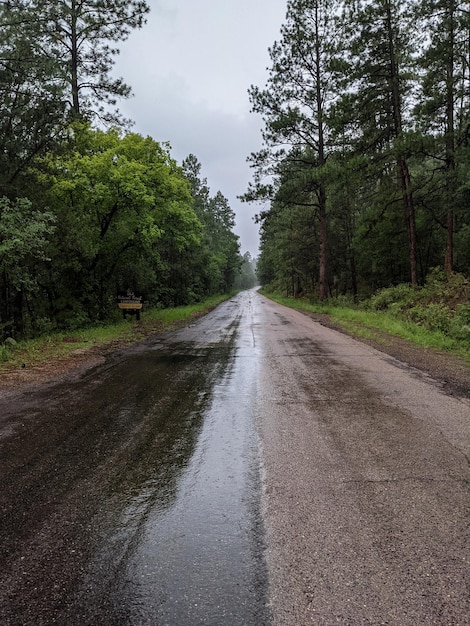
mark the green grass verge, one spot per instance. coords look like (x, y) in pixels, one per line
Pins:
(377, 325)
(125, 332)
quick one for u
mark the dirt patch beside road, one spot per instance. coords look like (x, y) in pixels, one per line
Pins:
(25, 379)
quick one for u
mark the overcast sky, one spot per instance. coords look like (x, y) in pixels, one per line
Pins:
(190, 68)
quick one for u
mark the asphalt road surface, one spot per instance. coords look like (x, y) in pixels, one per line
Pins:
(255, 468)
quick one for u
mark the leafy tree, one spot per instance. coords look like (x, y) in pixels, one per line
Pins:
(124, 220)
(24, 236)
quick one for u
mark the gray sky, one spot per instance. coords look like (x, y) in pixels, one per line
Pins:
(190, 68)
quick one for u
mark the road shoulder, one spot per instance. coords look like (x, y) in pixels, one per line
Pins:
(451, 371)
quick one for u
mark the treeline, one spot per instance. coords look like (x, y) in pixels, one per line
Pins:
(89, 210)
(107, 213)
(365, 163)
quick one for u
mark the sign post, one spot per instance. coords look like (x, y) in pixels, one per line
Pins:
(130, 304)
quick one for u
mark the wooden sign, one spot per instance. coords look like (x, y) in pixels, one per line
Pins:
(130, 302)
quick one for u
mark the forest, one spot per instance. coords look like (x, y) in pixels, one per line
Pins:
(364, 177)
(88, 209)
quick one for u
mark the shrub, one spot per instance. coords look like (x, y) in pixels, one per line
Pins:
(5, 354)
(434, 316)
(442, 304)
(460, 324)
(399, 295)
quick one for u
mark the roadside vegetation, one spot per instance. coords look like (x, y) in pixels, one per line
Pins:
(436, 315)
(363, 175)
(90, 211)
(122, 332)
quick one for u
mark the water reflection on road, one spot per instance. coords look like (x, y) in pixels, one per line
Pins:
(139, 489)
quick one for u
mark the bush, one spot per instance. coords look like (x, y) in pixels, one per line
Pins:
(391, 297)
(460, 324)
(5, 353)
(434, 316)
(442, 304)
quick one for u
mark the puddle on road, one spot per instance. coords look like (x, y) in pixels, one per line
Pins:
(186, 549)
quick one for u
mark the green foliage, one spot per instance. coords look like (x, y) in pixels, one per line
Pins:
(295, 106)
(219, 259)
(459, 326)
(55, 64)
(77, 37)
(120, 217)
(24, 238)
(442, 304)
(393, 132)
(5, 354)
(388, 298)
(448, 331)
(32, 102)
(86, 214)
(124, 220)
(434, 316)
(23, 233)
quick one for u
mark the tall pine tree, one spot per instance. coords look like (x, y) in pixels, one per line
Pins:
(443, 112)
(82, 34)
(376, 63)
(31, 95)
(294, 106)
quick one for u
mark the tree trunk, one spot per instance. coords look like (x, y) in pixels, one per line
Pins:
(450, 143)
(449, 256)
(410, 218)
(404, 173)
(74, 61)
(323, 261)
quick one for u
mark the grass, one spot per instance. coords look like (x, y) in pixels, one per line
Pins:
(57, 346)
(378, 325)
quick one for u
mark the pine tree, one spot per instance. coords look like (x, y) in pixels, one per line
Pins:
(31, 96)
(376, 71)
(294, 107)
(80, 34)
(221, 261)
(444, 102)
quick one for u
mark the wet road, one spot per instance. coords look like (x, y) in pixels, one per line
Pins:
(253, 468)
